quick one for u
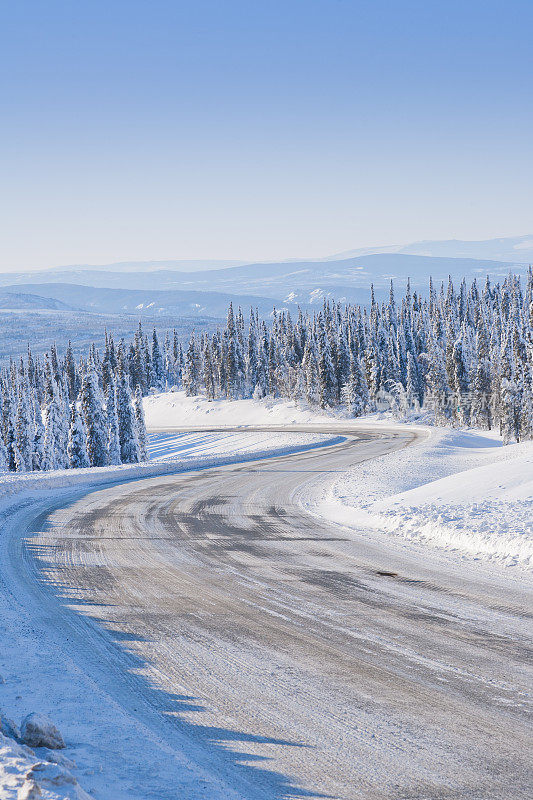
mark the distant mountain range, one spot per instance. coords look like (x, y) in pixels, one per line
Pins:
(179, 265)
(511, 250)
(208, 292)
(73, 300)
(515, 250)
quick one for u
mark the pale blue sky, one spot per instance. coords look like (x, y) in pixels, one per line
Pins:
(260, 130)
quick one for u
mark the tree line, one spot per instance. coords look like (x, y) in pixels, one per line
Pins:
(61, 414)
(466, 354)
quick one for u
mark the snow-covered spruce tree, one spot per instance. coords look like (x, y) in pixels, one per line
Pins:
(191, 369)
(327, 380)
(109, 364)
(177, 362)
(208, 371)
(3, 451)
(481, 414)
(94, 418)
(38, 433)
(9, 415)
(129, 444)
(355, 391)
(509, 388)
(412, 387)
(526, 405)
(510, 411)
(113, 438)
(158, 378)
(137, 362)
(461, 383)
(310, 370)
(70, 375)
(438, 393)
(54, 455)
(234, 359)
(140, 425)
(77, 441)
(252, 357)
(24, 433)
(168, 362)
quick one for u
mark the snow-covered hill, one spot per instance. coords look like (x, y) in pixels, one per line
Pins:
(175, 410)
(136, 302)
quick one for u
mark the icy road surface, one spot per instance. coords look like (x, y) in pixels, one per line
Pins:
(274, 655)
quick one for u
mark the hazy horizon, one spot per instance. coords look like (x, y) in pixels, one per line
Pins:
(198, 264)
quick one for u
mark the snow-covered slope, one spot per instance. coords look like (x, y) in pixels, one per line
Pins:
(459, 490)
(176, 410)
(187, 448)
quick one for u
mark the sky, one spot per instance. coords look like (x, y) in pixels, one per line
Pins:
(260, 129)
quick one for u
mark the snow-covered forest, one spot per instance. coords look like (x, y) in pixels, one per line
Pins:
(61, 414)
(466, 354)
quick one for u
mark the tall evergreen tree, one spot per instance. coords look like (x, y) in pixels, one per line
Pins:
(140, 426)
(129, 445)
(191, 370)
(355, 391)
(24, 431)
(113, 437)
(94, 419)
(77, 441)
(54, 456)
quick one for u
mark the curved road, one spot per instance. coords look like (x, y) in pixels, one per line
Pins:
(301, 660)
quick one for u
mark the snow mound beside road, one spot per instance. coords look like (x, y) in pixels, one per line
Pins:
(486, 511)
(230, 446)
(25, 776)
(458, 490)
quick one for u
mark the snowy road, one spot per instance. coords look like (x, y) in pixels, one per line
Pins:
(280, 654)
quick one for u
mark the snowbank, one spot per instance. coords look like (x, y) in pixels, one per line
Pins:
(25, 775)
(176, 410)
(29, 775)
(457, 490)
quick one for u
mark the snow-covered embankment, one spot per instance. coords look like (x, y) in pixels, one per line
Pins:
(461, 491)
